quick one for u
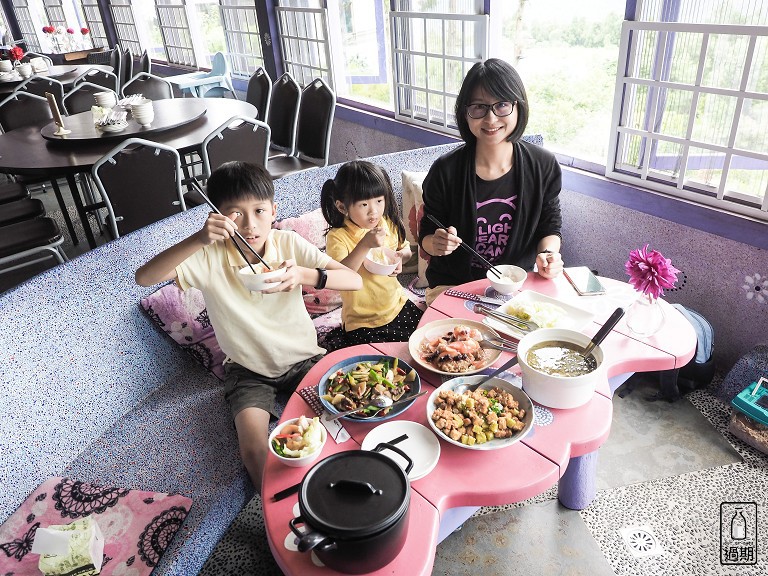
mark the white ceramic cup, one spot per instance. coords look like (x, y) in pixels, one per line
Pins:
(25, 70)
(5, 66)
(105, 99)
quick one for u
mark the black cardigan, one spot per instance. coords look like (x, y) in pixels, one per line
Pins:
(449, 195)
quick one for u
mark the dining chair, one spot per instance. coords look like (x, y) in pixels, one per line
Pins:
(284, 115)
(81, 97)
(240, 138)
(149, 85)
(116, 61)
(126, 67)
(20, 210)
(38, 237)
(41, 84)
(313, 140)
(21, 109)
(12, 191)
(145, 63)
(100, 77)
(259, 92)
(29, 55)
(140, 183)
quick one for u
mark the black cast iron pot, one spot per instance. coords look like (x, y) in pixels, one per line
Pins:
(354, 506)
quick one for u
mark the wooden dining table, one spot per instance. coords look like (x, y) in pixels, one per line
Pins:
(64, 73)
(561, 447)
(25, 151)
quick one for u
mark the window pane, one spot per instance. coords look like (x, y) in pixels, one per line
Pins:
(566, 53)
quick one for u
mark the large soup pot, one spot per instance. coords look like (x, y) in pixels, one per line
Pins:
(558, 391)
(354, 506)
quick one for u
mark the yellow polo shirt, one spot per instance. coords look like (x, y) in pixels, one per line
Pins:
(381, 297)
(266, 333)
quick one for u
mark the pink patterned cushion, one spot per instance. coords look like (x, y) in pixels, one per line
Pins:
(310, 226)
(183, 316)
(137, 525)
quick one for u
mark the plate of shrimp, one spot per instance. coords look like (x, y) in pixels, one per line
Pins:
(452, 346)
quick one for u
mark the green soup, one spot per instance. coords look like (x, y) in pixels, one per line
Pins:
(560, 359)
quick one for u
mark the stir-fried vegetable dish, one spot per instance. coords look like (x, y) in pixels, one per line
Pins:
(350, 389)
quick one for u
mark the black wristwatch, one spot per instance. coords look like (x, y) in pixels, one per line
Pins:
(323, 278)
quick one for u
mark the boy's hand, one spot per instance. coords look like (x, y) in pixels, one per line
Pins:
(218, 227)
(287, 281)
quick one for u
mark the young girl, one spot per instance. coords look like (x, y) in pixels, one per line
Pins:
(360, 208)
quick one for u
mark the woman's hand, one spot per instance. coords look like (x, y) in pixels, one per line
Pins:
(443, 241)
(549, 264)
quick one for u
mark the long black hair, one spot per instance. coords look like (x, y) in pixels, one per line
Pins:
(356, 181)
(500, 80)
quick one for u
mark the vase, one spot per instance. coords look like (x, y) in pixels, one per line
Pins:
(645, 316)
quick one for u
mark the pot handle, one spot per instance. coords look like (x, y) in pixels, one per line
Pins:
(310, 540)
(385, 446)
(356, 485)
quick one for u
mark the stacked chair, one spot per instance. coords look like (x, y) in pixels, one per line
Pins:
(259, 92)
(27, 235)
(317, 107)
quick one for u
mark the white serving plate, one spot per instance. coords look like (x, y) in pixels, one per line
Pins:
(421, 446)
(497, 443)
(435, 328)
(574, 318)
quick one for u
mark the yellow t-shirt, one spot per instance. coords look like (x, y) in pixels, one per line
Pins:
(266, 333)
(381, 297)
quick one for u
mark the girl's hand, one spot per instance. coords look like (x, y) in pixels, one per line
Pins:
(374, 238)
(402, 256)
(445, 241)
(287, 281)
(549, 264)
(218, 227)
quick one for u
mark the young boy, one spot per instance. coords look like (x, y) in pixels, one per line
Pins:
(268, 337)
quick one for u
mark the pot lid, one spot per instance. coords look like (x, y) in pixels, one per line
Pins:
(354, 494)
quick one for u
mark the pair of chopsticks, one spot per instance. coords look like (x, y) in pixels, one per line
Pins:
(468, 248)
(199, 189)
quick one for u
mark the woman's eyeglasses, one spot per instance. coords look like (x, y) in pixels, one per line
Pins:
(500, 109)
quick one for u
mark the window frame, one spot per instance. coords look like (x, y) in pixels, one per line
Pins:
(677, 185)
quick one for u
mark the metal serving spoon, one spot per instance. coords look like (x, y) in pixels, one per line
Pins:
(381, 402)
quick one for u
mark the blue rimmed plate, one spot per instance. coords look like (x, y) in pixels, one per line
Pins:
(349, 364)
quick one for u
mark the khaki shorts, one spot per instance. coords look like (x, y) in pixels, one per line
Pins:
(246, 389)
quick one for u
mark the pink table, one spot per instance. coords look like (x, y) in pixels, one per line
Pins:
(562, 447)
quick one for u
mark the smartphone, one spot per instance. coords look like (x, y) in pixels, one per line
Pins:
(582, 279)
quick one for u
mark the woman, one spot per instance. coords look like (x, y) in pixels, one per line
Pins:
(496, 192)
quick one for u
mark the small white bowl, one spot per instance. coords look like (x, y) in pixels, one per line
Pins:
(511, 281)
(261, 280)
(304, 460)
(105, 99)
(376, 267)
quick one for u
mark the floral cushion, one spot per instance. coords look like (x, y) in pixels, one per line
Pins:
(137, 526)
(310, 226)
(413, 209)
(182, 315)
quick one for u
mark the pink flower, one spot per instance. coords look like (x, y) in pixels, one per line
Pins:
(70, 30)
(649, 272)
(84, 31)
